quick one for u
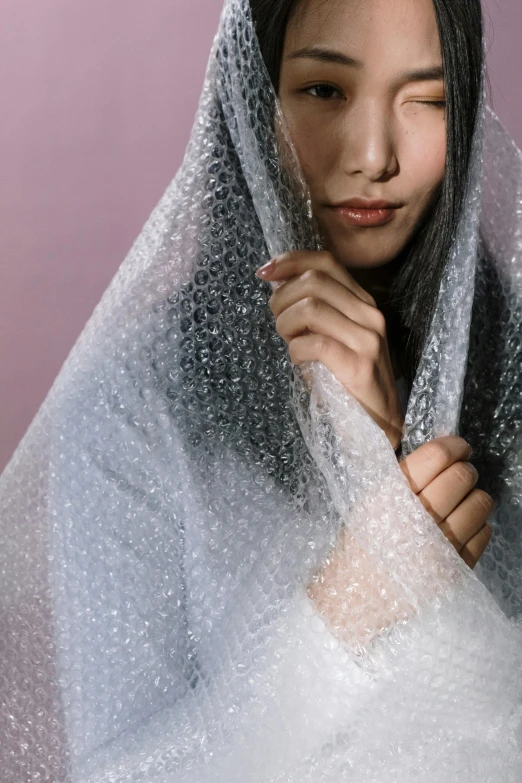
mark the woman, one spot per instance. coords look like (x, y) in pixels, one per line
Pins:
(185, 483)
(370, 125)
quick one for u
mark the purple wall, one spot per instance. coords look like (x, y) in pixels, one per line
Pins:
(98, 98)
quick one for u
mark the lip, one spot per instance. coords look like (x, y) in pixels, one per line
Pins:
(367, 203)
(363, 212)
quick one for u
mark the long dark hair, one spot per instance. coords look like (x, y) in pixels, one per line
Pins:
(228, 380)
(420, 265)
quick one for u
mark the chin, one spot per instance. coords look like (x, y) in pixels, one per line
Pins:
(363, 249)
(365, 258)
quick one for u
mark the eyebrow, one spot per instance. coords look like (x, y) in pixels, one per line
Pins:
(433, 73)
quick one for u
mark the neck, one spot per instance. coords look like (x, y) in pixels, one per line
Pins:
(378, 281)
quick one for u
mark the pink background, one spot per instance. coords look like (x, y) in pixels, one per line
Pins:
(98, 99)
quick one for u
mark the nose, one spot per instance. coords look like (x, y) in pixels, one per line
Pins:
(369, 147)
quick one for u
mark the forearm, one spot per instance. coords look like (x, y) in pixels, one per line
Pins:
(356, 600)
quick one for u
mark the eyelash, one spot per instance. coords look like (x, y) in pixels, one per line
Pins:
(314, 86)
(438, 104)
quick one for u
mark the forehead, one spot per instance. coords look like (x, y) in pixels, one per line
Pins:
(373, 31)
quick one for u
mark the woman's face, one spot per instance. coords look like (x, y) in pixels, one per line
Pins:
(360, 87)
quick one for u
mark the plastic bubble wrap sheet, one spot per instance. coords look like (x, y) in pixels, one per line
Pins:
(181, 485)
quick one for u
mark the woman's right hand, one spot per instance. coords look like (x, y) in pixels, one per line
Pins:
(358, 602)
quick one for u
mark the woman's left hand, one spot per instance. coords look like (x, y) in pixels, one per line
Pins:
(324, 315)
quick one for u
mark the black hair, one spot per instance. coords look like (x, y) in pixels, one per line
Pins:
(420, 265)
(229, 378)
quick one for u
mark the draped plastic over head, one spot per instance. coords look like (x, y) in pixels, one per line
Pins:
(182, 484)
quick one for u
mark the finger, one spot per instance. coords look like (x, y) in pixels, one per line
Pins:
(475, 548)
(318, 284)
(346, 365)
(337, 358)
(442, 495)
(426, 462)
(321, 318)
(468, 518)
(295, 262)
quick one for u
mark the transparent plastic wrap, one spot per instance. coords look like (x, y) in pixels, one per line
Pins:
(182, 482)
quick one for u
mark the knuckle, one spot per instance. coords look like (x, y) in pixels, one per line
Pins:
(487, 532)
(464, 473)
(327, 259)
(322, 344)
(437, 452)
(280, 326)
(311, 305)
(484, 500)
(294, 351)
(312, 277)
(379, 321)
(373, 343)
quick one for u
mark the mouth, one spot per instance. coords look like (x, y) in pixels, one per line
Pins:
(362, 212)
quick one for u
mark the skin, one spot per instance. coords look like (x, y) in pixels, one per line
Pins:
(367, 131)
(348, 581)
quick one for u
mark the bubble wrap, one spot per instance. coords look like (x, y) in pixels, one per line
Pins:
(182, 484)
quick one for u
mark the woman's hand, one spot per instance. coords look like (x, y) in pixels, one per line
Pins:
(324, 315)
(444, 482)
(358, 602)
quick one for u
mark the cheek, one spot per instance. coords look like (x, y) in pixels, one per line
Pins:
(308, 134)
(313, 161)
(424, 157)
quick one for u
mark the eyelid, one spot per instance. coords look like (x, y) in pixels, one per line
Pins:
(416, 95)
(441, 102)
(321, 84)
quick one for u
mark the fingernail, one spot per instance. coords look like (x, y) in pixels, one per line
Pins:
(470, 451)
(266, 269)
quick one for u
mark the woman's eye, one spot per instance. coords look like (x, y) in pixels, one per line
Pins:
(323, 90)
(438, 104)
